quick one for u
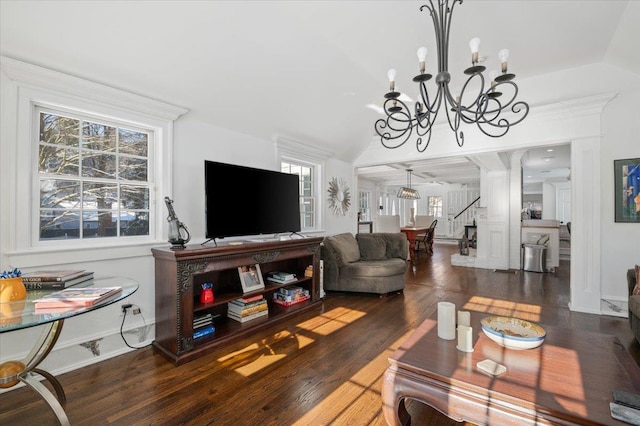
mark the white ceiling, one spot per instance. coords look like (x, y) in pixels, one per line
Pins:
(551, 164)
(304, 70)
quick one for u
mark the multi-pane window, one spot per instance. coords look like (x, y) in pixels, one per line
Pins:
(364, 205)
(434, 206)
(307, 198)
(93, 178)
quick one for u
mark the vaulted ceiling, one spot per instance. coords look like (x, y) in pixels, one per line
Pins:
(305, 70)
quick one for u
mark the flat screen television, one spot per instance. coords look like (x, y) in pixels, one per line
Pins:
(246, 201)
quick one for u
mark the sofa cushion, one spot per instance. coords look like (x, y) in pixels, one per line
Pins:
(374, 268)
(396, 243)
(346, 245)
(636, 289)
(372, 249)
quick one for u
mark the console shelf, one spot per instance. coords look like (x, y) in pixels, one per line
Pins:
(179, 275)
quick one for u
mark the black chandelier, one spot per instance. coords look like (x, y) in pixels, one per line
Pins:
(485, 109)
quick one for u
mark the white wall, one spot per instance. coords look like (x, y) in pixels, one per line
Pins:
(194, 141)
(548, 201)
(620, 242)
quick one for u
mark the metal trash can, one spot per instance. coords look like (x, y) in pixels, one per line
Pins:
(534, 257)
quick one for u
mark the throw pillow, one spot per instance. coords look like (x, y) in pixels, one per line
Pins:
(347, 246)
(372, 248)
(636, 289)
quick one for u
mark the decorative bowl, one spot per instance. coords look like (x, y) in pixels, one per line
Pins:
(12, 289)
(513, 333)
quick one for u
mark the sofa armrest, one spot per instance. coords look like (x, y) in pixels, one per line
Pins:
(631, 280)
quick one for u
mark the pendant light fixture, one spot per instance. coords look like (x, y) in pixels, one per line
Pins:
(407, 192)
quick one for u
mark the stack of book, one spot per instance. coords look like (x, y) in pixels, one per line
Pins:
(290, 295)
(53, 280)
(247, 308)
(74, 298)
(203, 325)
(281, 277)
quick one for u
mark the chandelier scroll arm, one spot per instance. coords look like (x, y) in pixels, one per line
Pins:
(493, 111)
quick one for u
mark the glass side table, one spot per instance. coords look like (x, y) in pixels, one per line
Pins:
(21, 314)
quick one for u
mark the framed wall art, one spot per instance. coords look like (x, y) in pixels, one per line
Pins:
(627, 190)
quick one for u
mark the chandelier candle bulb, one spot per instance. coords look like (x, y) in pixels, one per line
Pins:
(392, 79)
(503, 55)
(464, 318)
(465, 338)
(422, 57)
(474, 44)
(446, 320)
(493, 75)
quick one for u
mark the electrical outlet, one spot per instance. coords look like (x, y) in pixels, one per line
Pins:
(136, 310)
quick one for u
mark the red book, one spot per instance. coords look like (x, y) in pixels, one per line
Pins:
(76, 297)
(251, 298)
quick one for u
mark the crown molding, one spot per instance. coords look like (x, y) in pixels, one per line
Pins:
(293, 147)
(29, 75)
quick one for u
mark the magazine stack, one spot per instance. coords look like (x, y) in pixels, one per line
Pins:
(281, 277)
(291, 295)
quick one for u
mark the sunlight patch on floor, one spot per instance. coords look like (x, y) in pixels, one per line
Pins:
(328, 322)
(256, 356)
(358, 400)
(503, 308)
(258, 364)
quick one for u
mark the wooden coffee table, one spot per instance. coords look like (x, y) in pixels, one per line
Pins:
(568, 380)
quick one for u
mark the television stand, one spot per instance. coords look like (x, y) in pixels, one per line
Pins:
(180, 274)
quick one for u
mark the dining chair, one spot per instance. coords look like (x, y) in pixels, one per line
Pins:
(423, 220)
(427, 238)
(387, 223)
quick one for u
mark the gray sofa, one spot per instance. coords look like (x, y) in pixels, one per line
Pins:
(366, 263)
(634, 305)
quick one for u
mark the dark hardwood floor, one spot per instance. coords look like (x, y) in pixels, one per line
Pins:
(321, 368)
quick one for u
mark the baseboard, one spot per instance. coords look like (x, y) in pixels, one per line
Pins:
(614, 308)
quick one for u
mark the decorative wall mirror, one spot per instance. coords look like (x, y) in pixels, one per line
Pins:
(339, 196)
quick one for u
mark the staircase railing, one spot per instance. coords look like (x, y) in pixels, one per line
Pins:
(467, 208)
(457, 225)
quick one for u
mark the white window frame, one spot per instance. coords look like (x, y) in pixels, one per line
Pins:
(312, 197)
(429, 205)
(291, 151)
(24, 87)
(365, 204)
(149, 183)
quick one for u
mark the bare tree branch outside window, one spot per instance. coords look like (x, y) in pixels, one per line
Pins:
(94, 179)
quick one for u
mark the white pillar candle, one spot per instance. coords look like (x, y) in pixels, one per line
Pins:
(446, 320)
(464, 318)
(465, 338)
